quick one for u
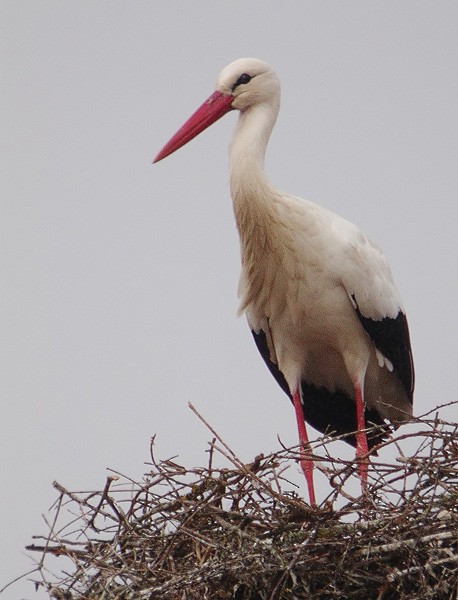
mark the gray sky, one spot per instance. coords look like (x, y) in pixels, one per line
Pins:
(119, 278)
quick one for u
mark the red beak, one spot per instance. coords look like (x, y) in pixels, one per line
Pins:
(212, 109)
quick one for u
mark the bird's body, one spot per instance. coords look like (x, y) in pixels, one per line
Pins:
(304, 271)
(319, 296)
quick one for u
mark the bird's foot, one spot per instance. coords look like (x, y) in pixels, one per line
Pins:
(307, 469)
(362, 459)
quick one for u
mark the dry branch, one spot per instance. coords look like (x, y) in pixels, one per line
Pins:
(238, 533)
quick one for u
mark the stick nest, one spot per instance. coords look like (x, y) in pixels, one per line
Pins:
(238, 533)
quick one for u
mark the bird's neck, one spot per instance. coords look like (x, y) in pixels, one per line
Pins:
(250, 187)
(253, 196)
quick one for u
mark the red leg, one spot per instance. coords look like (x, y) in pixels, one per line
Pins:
(306, 462)
(361, 439)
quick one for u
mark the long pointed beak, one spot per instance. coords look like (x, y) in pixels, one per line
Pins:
(212, 109)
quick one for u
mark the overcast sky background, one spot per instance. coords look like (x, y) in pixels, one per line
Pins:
(119, 278)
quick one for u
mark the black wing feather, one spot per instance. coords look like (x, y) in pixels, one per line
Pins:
(329, 412)
(391, 337)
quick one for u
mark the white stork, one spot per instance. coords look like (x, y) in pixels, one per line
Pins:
(319, 296)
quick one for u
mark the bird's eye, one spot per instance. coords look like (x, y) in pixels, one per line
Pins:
(244, 78)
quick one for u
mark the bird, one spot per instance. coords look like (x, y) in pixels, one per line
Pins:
(318, 294)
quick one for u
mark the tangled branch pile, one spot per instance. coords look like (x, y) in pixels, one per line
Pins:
(235, 533)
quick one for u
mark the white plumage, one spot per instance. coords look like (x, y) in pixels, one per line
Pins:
(319, 296)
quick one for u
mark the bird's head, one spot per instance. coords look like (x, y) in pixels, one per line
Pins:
(250, 82)
(243, 84)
